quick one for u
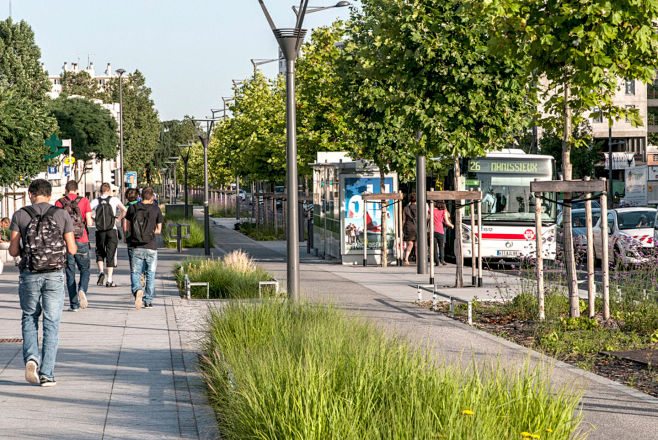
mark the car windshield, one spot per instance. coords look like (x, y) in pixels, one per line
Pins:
(578, 219)
(636, 219)
(508, 198)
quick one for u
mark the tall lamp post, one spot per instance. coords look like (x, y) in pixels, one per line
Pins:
(237, 177)
(206, 213)
(290, 40)
(259, 62)
(186, 158)
(120, 72)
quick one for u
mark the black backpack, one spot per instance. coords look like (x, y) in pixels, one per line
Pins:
(44, 247)
(76, 215)
(105, 218)
(140, 233)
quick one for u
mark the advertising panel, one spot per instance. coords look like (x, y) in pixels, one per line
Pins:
(636, 187)
(354, 211)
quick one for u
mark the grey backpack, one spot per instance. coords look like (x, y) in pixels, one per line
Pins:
(44, 247)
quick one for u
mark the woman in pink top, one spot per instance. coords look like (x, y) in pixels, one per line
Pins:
(441, 217)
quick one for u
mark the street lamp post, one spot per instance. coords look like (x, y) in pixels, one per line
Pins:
(290, 40)
(120, 72)
(185, 158)
(206, 212)
(237, 178)
(259, 62)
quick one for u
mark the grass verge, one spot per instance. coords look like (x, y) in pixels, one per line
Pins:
(234, 276)
(297, 371)
(261, 233)
(196, 232)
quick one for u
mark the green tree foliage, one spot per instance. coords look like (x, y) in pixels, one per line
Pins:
(141, 126)
(91, 128)
(172, 134)
(79, 83)
(24, 118)
(584, 154)
(224, 154)
(321, 119)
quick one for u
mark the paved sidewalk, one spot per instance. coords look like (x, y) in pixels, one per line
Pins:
(121, 373)
(383, 295)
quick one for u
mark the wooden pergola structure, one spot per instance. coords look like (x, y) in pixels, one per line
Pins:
(568, 187)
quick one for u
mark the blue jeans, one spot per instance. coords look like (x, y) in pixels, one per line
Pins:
(143, 261)
(81, 260)
(41, 292)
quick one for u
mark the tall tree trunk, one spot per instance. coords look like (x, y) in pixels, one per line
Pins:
(569, 256)
(383, 205)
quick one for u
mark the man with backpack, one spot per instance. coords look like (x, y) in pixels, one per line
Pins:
(143, 223)
(108, 210)
(41, 235)
(79, 209)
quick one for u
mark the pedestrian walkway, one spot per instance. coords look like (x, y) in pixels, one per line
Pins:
(384, 296)
(121, 373)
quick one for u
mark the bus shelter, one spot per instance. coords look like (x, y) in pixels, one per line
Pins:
(339, 210)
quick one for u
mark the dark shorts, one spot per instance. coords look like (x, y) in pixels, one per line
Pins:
(409, 232)
(106, 247)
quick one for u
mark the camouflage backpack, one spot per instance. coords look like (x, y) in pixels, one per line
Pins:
(43, 245)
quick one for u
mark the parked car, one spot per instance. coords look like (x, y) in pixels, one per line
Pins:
(631, 235)
(578, 226)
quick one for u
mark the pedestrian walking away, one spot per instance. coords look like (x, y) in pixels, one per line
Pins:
(79, 209)
(132, 197)
(143, 223)
(440, 217)
(42, 235)
(107, 211)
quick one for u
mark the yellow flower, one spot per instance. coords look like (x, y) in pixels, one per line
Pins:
(468, 412)
(525, 434)
(549, 430)
(535, 436)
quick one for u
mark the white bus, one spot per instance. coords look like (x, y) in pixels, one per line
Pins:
(508, 206)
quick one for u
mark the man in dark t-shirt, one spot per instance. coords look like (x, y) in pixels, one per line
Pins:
(144, 254)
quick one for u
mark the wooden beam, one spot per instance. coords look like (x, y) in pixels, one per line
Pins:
(379, 197)
(454, 195)
(568, 186)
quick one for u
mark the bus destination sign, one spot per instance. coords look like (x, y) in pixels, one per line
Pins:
(542, 167)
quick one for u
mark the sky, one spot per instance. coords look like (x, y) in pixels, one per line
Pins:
(189, 50)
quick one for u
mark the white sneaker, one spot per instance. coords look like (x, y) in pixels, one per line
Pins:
(83, 299)
(31, 371)
(139, 295)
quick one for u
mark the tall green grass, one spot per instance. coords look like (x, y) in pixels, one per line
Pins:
(290, 371)
(225, 280)
(196, 232)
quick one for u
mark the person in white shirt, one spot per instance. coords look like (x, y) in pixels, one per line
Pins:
(108, 210)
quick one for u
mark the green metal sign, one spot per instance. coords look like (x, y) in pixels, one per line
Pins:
(55, 147)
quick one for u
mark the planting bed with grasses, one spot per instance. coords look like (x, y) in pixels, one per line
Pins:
(278, 370)
(580, 341)
(219, 211)
(261, 232)
(196, 232)
(233, 276)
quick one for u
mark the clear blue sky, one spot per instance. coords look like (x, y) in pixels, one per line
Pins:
(189, 50)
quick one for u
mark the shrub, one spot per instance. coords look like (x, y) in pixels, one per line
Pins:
(235, 276)
(296, 371)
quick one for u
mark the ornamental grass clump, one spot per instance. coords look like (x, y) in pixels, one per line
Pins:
(297, 371)
(234, 276)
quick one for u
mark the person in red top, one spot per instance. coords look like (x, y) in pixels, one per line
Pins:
(441, 217)
(79, 209)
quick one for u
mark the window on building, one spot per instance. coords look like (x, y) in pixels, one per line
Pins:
(652, 89)
(597, 115)
(652, 115)
(628, 107)
(630, 87)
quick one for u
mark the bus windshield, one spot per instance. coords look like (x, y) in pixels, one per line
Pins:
(506, 195)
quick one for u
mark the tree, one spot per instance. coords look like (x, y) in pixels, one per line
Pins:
(321, 119)
(24, 119)
(91, 128)
(172, 134)
(426, 84)
(79, 83)
(141, 126)
(584, 154)
(579, 49)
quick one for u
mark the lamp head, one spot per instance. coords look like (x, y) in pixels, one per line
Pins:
(342, 4)
(120, 71)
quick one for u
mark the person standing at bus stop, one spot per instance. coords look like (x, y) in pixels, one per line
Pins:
(409, 227)
(440, 217)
